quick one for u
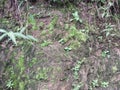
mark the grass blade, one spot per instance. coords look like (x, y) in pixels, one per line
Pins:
(3, 31)
(20, 35)
(2, 36)
(31, 38)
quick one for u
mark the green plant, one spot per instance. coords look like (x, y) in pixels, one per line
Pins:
(21, 65)
(76, 17)
(95, 83)
(104, 84)
(67, 48)
(32, 62)
(16, 73)
(32, 21)
(12, 36)
(10, 84)
(77, 34)
(42, 74)
(21, 85)
(53, 23)
(105, 53)
(75, 37)
(45, 43)
(77, 86)
(77, 68)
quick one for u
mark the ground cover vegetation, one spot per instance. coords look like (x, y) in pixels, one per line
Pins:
(59, 44)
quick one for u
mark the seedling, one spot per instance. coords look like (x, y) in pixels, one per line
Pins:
(95, 83)
(106, 53)
(10, 84)
(104, 84)
(76, 17)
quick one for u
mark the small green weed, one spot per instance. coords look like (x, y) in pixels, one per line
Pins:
(76, 37)
(77, 34)
(95, 83)
(77, 86)
(77, 68)
(42, 74)
(10, 84)
(32, 62)
(76, 17)
(32, 21)
(53, 23)
(104, 84)
(45, 43)
(67, 48)
(105, 53)
(22, 85)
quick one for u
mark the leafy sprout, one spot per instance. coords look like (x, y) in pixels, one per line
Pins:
(14, 35)
(76, 17)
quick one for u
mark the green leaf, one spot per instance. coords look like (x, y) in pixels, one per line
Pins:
(23, 29)
(67, 48)
(21, 85)
(31, 38)
(3, 31)
(2, 36)
(12, 37)
(20, 35)
(107, 34)
(9, 84)
(76, 16)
